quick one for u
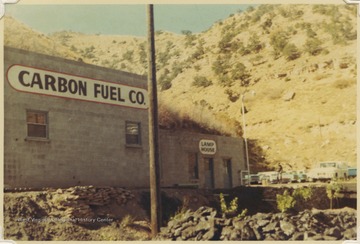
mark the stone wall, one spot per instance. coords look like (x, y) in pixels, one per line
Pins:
(309, 225)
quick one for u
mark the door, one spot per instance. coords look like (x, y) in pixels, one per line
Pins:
(209, 173)
(227, 173)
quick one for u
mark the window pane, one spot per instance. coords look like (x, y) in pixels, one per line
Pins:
(132, 133)
(132, 128)
(37, 130)
(132, 139)
(37, 118)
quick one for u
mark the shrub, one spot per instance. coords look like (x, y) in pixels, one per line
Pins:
(303, 193)
(285, 201)
(232, 209)
(239, 72)
(165, 82)
(225, 80)
(225, 43)
(189, 39)
(288, 201)
(254, 43)
(220, 65)
(128, 55)
(242, 49)
(127, 221)
(88, 52)
(291, 52)
(278, 40)
(142, 54)
(313, 46)
(163, 58)
(333, 191)
(201, 81)
(310, 33)
(232, 96)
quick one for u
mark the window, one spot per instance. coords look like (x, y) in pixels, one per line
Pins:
(193, 166)
(37, 124)
(133, 133)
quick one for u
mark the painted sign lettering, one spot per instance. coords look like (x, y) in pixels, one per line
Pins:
(207, 147)
(38, 81)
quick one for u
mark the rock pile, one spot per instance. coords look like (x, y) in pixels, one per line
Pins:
(77, 201)
(307, 225)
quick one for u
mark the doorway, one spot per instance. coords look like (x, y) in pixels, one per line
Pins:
(209, 173)
(228, 173)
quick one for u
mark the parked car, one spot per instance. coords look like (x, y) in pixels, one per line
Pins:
(328, 171)
(301, 176)
(254, 178)
(268, 176)
(352, 172)
(288, 177)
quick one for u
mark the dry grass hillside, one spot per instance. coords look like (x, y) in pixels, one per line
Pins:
(296, 65)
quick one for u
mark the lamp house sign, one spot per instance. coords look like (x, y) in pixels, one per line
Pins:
(207, 147)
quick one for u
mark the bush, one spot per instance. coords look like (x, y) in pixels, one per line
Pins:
(285, 201)
(333, 191)
(291, 52)
(288, 201)
(189, 39)
(88, 52)
(239, 72)
(225, 80)
(220, 65)
(303, 193)
(165, 82)
(254, 43)
(242, 49)
(313, 46)
(232, 209)
(127, 221)
(201, 81)
(232, 96)
(225, 43)
(278, 40)
(128, 55)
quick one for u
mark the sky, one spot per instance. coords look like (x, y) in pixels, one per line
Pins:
(120, 19)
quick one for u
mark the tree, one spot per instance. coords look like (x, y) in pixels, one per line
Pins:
(239, 72)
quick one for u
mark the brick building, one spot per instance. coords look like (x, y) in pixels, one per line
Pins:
(69, 123)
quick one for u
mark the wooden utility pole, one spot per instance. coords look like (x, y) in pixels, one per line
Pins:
(153, 129)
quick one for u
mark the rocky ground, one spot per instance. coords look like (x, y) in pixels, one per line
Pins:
(89, 213)
(314, 224)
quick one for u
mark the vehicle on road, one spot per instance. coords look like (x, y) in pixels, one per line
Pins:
(328, 171)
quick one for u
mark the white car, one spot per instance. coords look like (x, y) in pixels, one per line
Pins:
(269, 176)
(328, 171)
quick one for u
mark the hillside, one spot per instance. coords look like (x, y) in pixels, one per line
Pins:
(299, 61)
